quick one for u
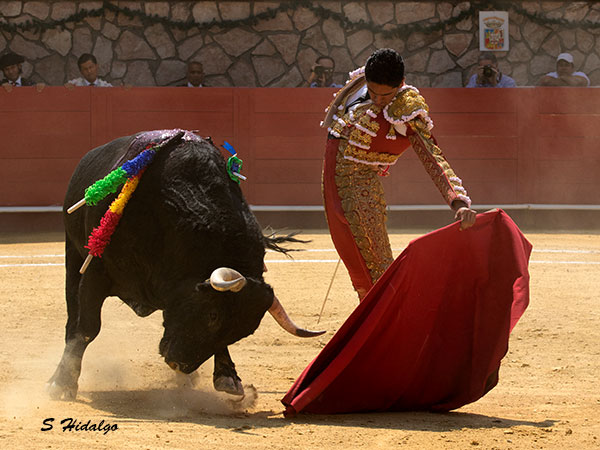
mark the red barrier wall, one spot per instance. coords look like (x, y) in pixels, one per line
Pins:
(510, 146)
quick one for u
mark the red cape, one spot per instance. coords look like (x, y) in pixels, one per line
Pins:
(431, 332)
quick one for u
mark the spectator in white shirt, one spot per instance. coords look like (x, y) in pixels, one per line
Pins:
(88, 66)
(565, 74)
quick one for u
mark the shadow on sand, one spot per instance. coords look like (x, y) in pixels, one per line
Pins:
(220, 411)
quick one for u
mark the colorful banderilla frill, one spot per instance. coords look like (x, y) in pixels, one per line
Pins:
(117, 177)
(129, 174)
(234, 164)
(101, 235)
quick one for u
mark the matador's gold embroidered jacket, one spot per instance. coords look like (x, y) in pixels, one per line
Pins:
(379, 136)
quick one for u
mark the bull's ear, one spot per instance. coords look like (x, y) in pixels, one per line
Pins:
(226, 279)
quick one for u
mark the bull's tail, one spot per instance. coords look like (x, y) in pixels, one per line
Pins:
(273, 240)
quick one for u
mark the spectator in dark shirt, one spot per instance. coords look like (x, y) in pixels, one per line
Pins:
(11, 65)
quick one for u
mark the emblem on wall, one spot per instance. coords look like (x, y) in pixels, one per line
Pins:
(493, 31)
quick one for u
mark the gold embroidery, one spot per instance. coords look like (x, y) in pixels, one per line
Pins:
(436, 164)
(341, 97)
(338, 129)
(363, 132)
(365, 120)
(342, 126)
(405, 104)
(362, 198)
(420, 126)
(391, 133)
(369, 157)
(360, 138)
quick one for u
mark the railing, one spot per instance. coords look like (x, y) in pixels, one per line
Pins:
(510, 146)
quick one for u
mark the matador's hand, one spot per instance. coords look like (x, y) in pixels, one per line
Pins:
(466, 216)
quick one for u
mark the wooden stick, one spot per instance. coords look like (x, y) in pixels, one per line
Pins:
(86, 263)
(328, 289)
(76, 206)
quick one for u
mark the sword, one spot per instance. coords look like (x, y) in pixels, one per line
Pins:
(328, 289)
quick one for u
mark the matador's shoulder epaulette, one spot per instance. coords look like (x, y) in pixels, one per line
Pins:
(408, 105)
(355, 82)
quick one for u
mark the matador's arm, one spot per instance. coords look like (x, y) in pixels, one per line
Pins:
(409, 114)
(436, 165)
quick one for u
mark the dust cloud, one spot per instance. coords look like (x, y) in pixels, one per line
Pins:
(122, 387)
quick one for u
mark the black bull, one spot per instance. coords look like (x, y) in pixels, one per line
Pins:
(184, 238)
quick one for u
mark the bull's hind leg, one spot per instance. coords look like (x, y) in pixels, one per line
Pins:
(225, 378)
(85, 296)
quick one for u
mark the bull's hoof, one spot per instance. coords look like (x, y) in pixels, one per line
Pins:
(230, 385)
(57, 392)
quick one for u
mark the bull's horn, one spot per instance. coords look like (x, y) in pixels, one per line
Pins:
(226, 279)
(286, 323)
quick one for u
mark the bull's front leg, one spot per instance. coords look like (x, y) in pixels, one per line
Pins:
(85, 296)
(225, 378)
(63, 385)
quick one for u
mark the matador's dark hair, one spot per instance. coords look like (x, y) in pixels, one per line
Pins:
(385, 66)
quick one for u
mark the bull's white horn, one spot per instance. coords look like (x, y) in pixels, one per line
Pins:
(226, 279)
(287, 324)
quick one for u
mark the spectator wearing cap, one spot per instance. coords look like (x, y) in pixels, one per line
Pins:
(11, 65)
(565, 74)
(88, 67)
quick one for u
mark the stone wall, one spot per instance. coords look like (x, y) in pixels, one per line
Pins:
(279, 51)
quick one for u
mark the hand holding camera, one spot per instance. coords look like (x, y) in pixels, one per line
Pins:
(488, 75)
(320, 74)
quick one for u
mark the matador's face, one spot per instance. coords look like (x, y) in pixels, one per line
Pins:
(381, 94)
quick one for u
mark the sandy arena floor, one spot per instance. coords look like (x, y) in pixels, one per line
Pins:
(548, 396)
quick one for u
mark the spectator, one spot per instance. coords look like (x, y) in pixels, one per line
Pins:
(195, 75)
(488, 74)
(321, 73)
(565, 74)
(88, 66)
(11, 65)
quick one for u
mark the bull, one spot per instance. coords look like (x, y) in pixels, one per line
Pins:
(187, 244)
